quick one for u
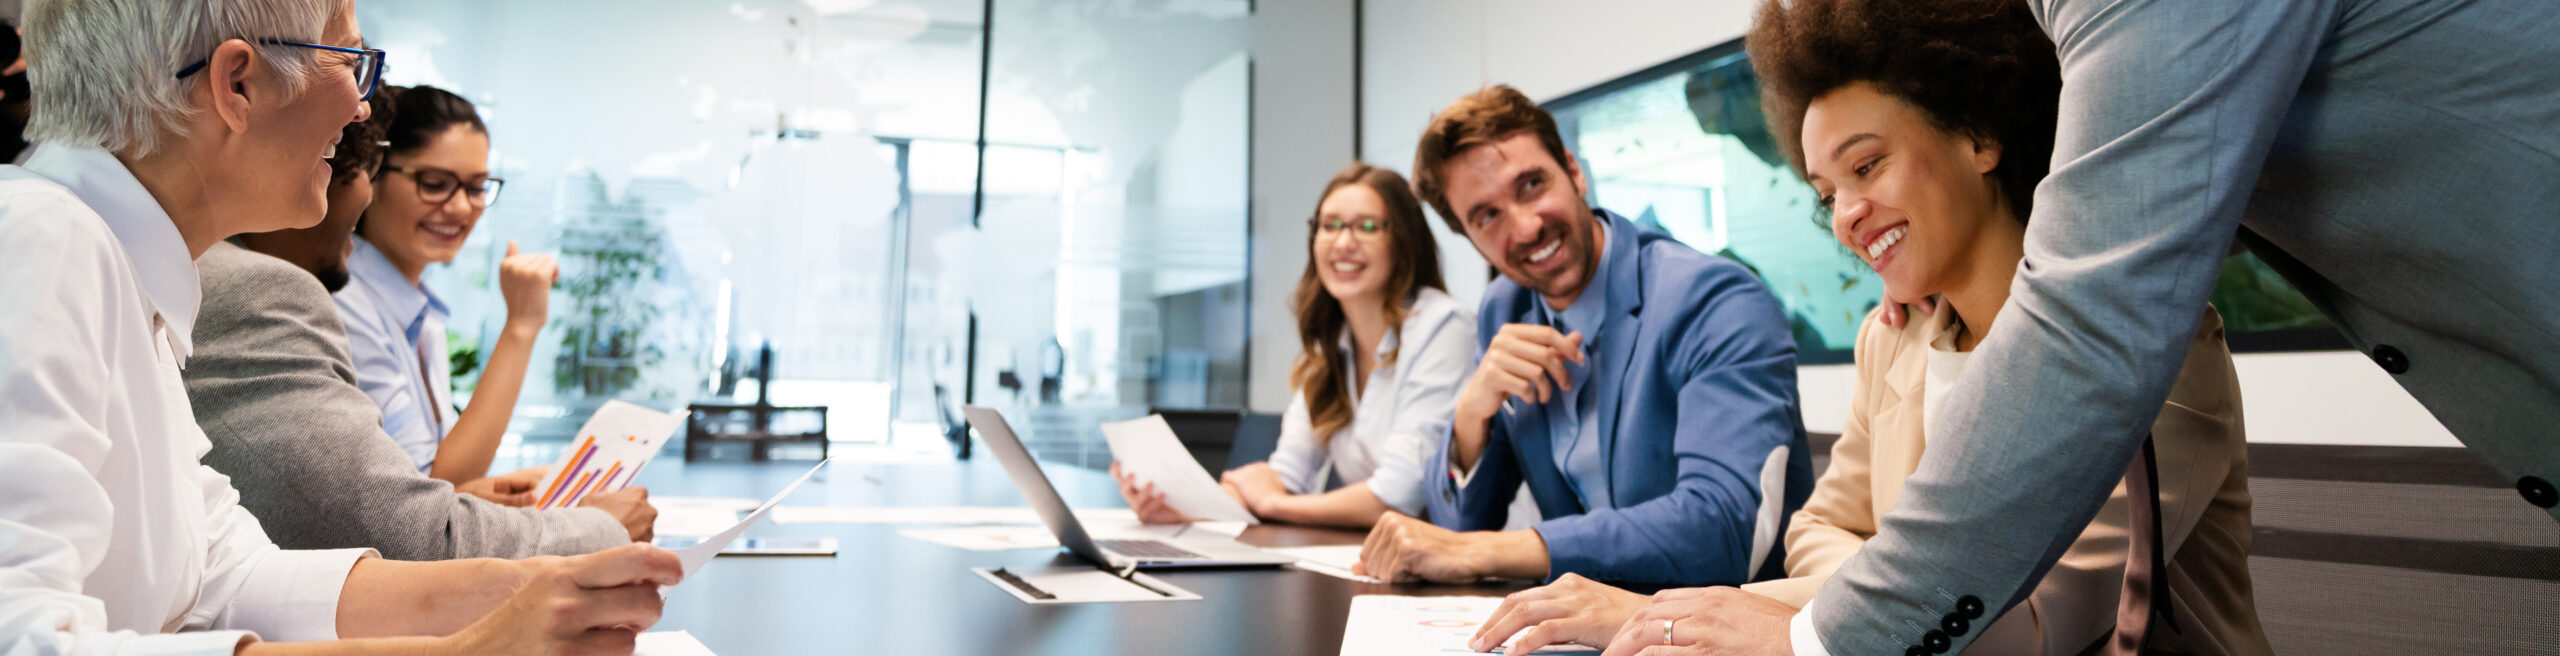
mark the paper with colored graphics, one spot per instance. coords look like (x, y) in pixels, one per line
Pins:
(606, 454)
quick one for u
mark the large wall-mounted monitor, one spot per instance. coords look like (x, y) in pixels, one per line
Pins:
(1682, 148)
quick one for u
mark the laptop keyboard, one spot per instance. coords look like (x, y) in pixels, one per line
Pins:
(1155, 549)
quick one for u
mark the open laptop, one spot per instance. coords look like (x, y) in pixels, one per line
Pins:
(1205, 550)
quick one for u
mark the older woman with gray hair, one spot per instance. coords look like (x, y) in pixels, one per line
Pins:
(165, 126)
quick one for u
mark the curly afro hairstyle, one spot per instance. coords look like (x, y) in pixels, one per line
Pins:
(1982, 69)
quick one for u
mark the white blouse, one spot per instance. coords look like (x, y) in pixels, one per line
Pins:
(114, 538)
(1402, 414)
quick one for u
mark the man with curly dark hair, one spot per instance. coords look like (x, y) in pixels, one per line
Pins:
(2393, 159)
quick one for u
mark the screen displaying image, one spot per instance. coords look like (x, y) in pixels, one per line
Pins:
(1682, 148)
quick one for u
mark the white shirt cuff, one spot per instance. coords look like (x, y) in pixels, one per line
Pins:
(1801, 637)
(292, 596)
(202, 643)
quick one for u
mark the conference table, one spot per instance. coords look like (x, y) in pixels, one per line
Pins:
(887, 594)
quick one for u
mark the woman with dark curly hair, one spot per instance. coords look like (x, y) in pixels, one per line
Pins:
(1924, 128)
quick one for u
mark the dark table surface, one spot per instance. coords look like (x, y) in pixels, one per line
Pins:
(887, 594)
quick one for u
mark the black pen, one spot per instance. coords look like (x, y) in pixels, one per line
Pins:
(1131, 575)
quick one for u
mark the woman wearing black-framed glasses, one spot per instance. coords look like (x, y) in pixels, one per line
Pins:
(432, 188)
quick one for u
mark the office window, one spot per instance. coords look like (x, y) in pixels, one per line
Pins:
(1112, 259)
(717, 177)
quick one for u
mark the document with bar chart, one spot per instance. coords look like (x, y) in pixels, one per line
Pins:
(606, 453)
(1391, 625)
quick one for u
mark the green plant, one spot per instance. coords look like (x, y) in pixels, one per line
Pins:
(613, 264)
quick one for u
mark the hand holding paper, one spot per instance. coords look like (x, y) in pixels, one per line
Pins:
(611, 449)
(1147, 450)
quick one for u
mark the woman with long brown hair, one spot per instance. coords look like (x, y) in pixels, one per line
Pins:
(1384, 350)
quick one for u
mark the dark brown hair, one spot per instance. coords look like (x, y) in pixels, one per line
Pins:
(1982, 69)
(361, 144)
(1486, 116)
(1318, 371)
(425, 112)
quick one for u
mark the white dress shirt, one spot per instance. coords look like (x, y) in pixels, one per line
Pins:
(396, 333)
(114, 539)
(1401, 414)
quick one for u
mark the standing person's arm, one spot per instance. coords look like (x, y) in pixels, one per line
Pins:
(525, 280)
(2166, 116)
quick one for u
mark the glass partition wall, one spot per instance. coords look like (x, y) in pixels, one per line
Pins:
(805, 175)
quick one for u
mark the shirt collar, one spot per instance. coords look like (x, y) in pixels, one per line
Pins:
(1590, 309)
(142, 228)
(391, 290)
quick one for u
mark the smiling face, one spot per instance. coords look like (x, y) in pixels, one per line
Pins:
(1524, 212)
(1915, 201)
(409, 230)
(1354, 264)
(286, 158)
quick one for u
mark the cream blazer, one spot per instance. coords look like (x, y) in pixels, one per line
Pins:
(2204, 505)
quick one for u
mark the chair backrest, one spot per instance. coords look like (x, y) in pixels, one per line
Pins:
(1209, 434)
(1257, 435)
(2392, 550)
(2399, 550)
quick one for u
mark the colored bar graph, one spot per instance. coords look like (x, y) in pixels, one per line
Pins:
(585, 451)
(602, 484)
(581, 488)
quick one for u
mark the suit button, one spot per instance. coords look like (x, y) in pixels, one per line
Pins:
(2537, 491)
(1937, 642)
(1955, 626)
(1970, 607)
(2391, 359)
(1447, 495)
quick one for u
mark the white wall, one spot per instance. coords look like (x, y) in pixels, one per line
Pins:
(1301, 135)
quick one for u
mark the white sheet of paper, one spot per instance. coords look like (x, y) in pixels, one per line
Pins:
(694, 556)
(987, 538)
(680, 520)
(1078, 585)
(1148, 450)
(731, 504)
(1333, 561)
(669, 643)
(614, 445)
(1391, 625)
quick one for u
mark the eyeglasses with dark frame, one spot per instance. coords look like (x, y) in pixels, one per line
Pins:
(369, 64)
(437, 186)
(1364, 228)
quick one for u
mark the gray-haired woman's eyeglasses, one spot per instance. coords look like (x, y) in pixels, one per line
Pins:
(368, 64)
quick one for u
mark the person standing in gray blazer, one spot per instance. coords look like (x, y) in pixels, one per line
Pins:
(2394, 159)
(272, 386)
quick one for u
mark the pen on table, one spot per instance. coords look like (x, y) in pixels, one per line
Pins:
(1130, 575)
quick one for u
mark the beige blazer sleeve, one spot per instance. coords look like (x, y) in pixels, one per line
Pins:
(2201, 447)
(1837, 520)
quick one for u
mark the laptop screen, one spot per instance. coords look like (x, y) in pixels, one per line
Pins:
(1034, 483)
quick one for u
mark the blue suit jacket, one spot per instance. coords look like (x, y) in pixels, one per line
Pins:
(1696, 386)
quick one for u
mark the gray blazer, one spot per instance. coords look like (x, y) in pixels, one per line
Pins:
(2397, 160)
(272, 387)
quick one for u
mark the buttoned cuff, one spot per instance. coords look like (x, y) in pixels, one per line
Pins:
(201, 643)
(1800, 636)
(292, 596)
